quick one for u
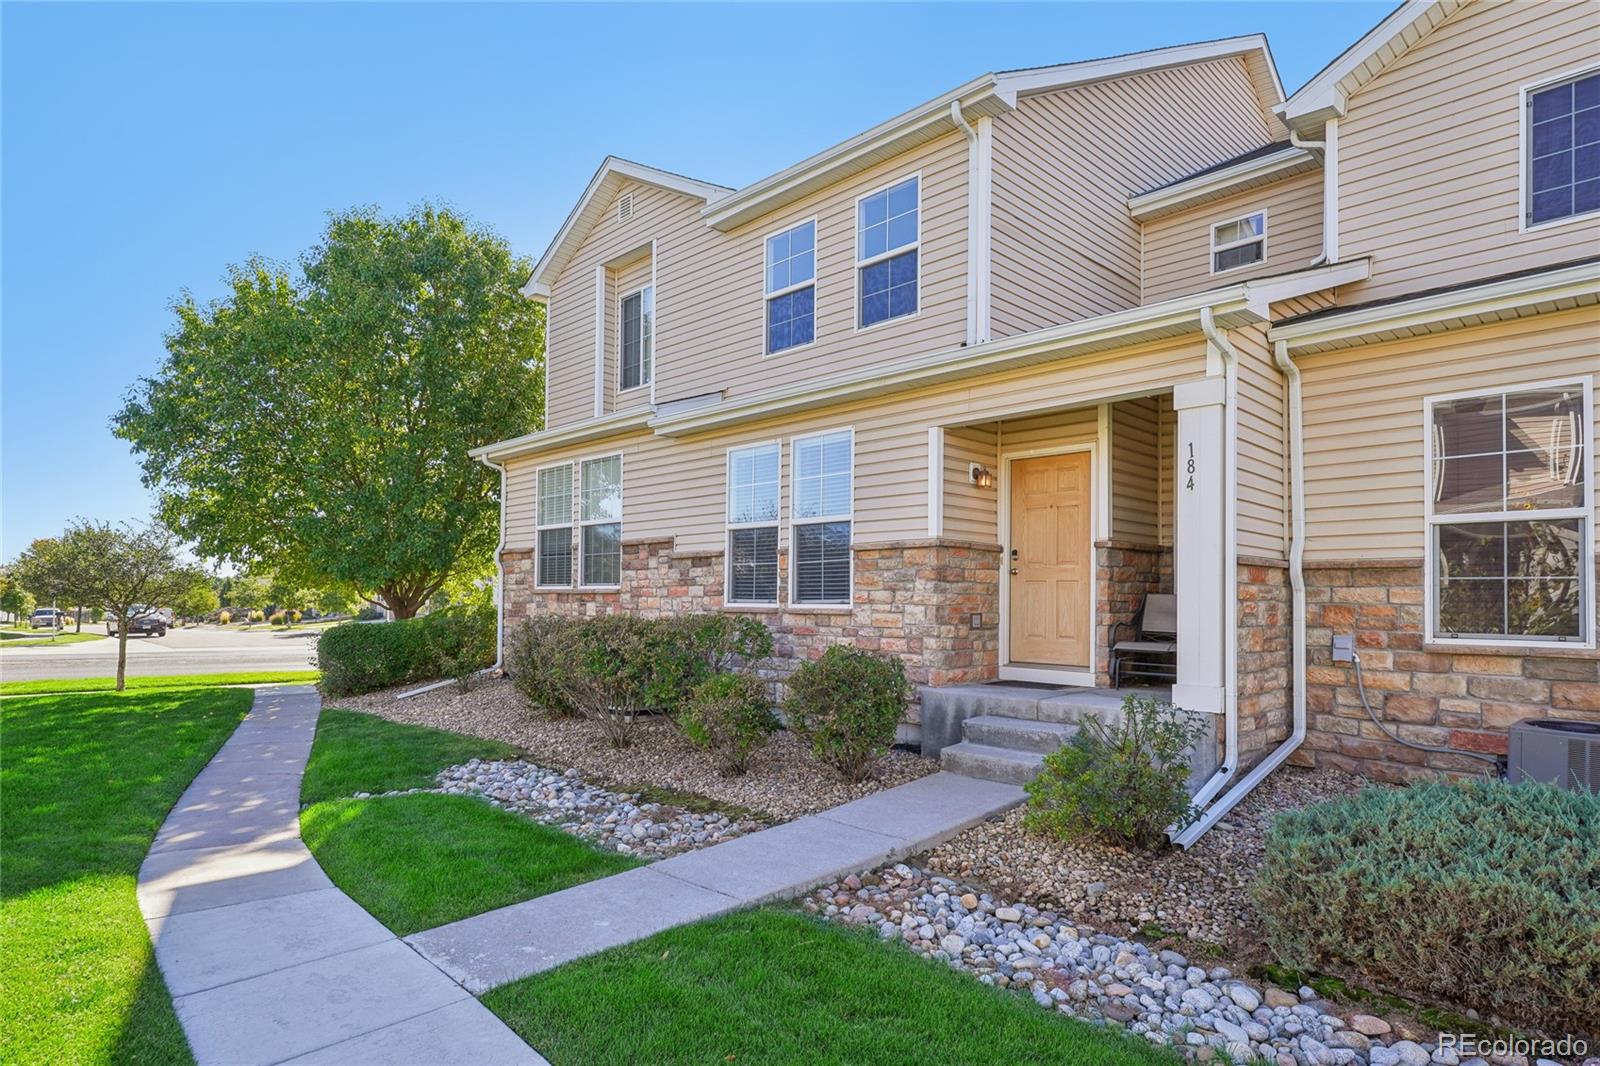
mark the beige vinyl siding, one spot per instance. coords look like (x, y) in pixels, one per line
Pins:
(1364, 421)
(716, 279)
(969, 511)
(1168, 416)
(1430, 151)
(657, 213)
(674, 488)
(1065, 163)
(1137, 471)
(1263, 471)
(1177, 248)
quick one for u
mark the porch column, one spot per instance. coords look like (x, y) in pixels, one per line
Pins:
(1199, 543)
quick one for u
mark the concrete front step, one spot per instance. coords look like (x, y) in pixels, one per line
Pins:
(991, 763)
(1017, 733)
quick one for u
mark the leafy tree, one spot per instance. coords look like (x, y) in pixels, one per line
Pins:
(45, 571)
(197, 602)
(319, 424)
(122, 567)
(14, 599)
(250, 591)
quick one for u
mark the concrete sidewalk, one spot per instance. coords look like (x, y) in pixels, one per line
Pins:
(266, 960)
(503, 945)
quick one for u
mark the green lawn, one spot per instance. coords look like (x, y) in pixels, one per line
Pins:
(172, 681)
(28, 638)
(87, 781)
(415, 862)
(772, 986)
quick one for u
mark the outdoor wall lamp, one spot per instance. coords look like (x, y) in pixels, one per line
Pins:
(981, 475)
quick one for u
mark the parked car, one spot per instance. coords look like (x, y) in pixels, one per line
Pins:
(145, 620)
(48, 618)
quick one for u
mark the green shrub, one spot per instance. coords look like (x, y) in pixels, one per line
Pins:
(535, 657)
(730, 715)
(278, 618)
(1124, 783)
(294, 616)
(1480, 893)
(696, 647)
(617, 667)
(846, 705)
(257, 616)
(360, 657)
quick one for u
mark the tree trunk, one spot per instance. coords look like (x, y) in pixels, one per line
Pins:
(122, 653)
(403, 605)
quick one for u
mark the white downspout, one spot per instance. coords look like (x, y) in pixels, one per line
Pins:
(972, 218)
(1329, 147)
(1297, 584)
(499, 598)
(1230, 701)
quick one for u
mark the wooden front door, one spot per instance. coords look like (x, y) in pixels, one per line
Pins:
(1051, 562)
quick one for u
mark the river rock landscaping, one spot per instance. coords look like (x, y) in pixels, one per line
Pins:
(784, 780)
(1168, 999)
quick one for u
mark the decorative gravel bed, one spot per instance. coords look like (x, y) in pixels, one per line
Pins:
(623, 822)
(1095, 976)
(784, 780)
(1202, 893)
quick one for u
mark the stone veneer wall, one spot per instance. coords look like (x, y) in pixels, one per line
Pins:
(1266, 635)
(1463, 699)
(1124, 574)
(913, 599)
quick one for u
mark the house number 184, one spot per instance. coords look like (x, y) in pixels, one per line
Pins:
(1189, 468)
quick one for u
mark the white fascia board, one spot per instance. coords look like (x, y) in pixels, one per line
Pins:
(609, 177)
(1066, 75)
(577, 433)
(918, 125)
(1198, 190)
(1567, 286)
(1262, 293)
(1323, 97)
(536, 291)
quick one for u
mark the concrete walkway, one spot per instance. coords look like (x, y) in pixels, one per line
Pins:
(525, 938)
(266, 960)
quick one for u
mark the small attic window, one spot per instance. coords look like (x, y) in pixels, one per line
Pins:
(625, 207)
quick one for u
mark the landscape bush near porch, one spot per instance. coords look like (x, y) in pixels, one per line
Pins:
(359, 657)
(1483, 894)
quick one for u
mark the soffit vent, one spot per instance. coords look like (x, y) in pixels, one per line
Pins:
(625, 207)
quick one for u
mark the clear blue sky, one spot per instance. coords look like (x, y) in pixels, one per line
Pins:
(146, 147)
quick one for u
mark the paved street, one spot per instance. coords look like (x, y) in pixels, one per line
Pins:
(182, 651)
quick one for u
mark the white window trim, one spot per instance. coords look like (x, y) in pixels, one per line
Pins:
(768, 297)
(1525, 151)
(581, 523)
(647, 378)
(540, 527)
(729, 525)
(1585, 513)
(1215, 247)
(861, 264)
(795, 522)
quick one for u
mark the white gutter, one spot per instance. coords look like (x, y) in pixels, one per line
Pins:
(972, 218)
(1330, 190)
(1297, 583)
(1230, 560)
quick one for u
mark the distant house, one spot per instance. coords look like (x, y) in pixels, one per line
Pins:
(968, 386)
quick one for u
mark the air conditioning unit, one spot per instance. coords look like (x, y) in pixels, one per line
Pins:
(1556, 751)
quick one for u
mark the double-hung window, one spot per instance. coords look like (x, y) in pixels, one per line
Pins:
(1509, 516)
(819, 518)
(554, 560)
(1563, 145)
(791, 287)
(1238, 242)
(753, 524)
(638, 337)
(600, 521)
(887, 233)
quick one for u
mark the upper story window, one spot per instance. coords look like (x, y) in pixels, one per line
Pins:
(638, 337)
(791, 287)
(1564, 149)
(887, 236)
(600, 521)
(1238, 242)
(753, 524)
(554, 542)
(820, 506)
(1509, 516)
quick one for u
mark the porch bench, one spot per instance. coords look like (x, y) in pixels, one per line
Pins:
(1152, 650)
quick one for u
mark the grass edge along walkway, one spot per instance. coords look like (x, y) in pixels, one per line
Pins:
(419, 861)
(59, 686)
(88, 779)
(777, 987)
